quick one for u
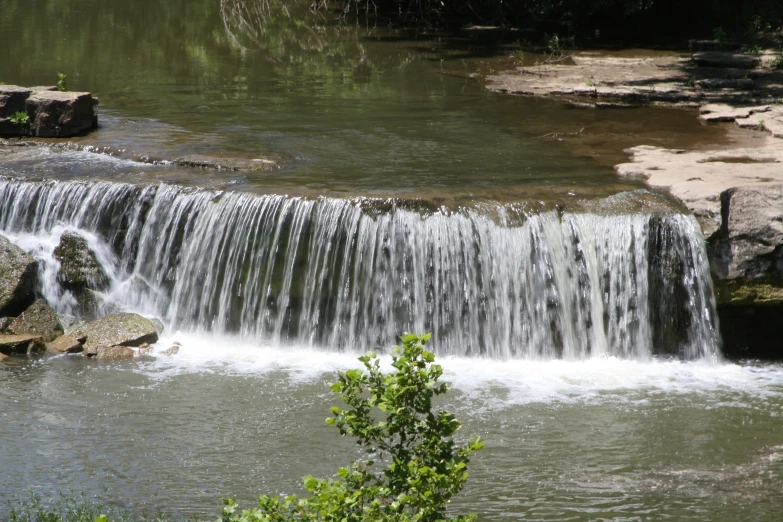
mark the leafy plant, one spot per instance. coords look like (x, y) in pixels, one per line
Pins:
(61, 82)
(519, 56)
(20, 118)
(414, 466)
(554, 45)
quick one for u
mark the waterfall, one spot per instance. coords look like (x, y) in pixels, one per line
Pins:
(355, 274)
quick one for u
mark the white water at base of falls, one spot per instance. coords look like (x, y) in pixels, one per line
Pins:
(353, 275)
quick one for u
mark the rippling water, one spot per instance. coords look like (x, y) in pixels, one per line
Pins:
(602, 439)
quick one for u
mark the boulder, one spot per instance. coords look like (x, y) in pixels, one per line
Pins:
(18, 277)
(55, 114)
(21, 344)
(114, 352)
(172, 350)
(51, 113)
(123, 329)
(80, 273)
(12, 100)
(40, 319)
(725, 60)
(66, 344)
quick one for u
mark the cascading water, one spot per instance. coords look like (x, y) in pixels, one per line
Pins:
(346, 274)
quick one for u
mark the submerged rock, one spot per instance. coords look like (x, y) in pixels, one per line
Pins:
(123, 329)
(39, 319)
(66, 344)
(49, 113)
(18, 276)
(21, 344)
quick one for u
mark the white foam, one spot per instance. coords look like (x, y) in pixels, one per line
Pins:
(484, 383)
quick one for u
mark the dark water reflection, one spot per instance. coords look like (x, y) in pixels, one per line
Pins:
(346, 108)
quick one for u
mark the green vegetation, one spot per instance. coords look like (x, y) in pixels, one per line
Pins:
(414, 465)
(61, 85)
(20, 118)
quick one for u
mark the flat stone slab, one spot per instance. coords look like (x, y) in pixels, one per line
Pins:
(721, 112)
(66, 344)
(664, 79)
(21, 344)
(725, 60)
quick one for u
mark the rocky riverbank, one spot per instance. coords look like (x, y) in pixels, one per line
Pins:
(29, 325)
(736, 193)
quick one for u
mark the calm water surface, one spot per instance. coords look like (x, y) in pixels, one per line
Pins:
(356, 110)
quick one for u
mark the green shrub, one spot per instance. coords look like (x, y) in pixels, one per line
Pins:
(20, 118)
(414, 465)
(61, 83)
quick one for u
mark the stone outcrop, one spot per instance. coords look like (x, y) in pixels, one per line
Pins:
(123, 329)
(18, 276)
(50, 113)
(737, 197)
(38, 319)
(669, 79)
(80, 273)
(21, 344)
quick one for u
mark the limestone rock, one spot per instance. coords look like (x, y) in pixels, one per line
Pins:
(721, 112)
(18, 276)
(114, 352)
(40, 319)
(80, 273)
(66, 344)
(725, 60)
(79, 267)
(737, 197)
(123, 329)
(172, 350)
(56, 114)
(21, 344)
(51, 113)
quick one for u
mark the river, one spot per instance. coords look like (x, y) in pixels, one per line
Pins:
(572, 311)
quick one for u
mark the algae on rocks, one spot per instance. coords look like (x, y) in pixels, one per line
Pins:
(39, 319)
(123, 329)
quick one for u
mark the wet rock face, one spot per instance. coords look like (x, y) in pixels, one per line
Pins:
(79, 267)
(18, 277)
(80, 273)
(123, 329)
(50, 113)
(38, 319)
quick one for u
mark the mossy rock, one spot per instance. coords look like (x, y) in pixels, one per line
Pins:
(123, 329)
